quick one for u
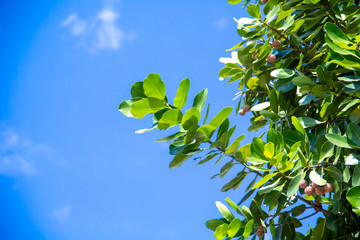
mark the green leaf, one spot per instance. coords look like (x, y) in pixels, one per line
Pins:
(297, 124)
(338, 140)
(233, 2)
(171, 137)
(316, 178)
(137, 90)
(224, 211)
(272, 13)
(145, 130)
(191, 118)
(220, 117)
(154, 87)
(169, 119)
(282, 73)
(248, 228)
(356, 176)
(294, 185)
(204, 133)
(234, 146)
(303, 81)
(320, 90)
(320, 231)
(302, 158)
(296, 211)
(336, 34)
(353, 134)
(335, 173)
(234, 227)
(353, 196)
(125, 106)
(200, 98)
(214, 223)
(269, 150)
(181, 94)
(264, 180)
(254, 10)
(221, 231)
(308, 122)
(178, 160)
(145, 106)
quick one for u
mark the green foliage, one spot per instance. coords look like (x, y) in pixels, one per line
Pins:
(309, 98)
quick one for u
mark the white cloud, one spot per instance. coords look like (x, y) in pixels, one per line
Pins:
(109, 36)
(62, 214)
(221, 23)
(18, 155)
(100, 31)
(77, 25)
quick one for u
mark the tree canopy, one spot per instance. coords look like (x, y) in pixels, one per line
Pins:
(297, 69)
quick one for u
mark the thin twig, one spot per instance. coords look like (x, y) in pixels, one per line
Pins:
(332, 13)
(283, 36)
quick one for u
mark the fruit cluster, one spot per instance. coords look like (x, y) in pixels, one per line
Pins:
(244, 110)
(314, 188)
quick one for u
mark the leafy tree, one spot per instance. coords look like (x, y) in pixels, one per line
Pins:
(298, 72)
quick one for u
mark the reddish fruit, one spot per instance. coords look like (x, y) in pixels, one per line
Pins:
(276, 44)
(260, 232)
(319, 191)
(271, 58)
(309, 191)
(242, 112)
(264, 1)
(314, 185)
(247, 108)
(303, 184)
(317, 203)
(328, 187)
(254, 55)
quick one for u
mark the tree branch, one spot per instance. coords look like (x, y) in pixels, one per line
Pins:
(332, 13)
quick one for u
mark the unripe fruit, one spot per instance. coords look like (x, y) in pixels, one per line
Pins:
(303, 184)
(276, 44)
(309, 191)
(314, 185)
(254, 55)
(319, 191)
(328, 187)
(271, 58)
(260, 231)
(264, 1)
(247, 108)
(242, 112)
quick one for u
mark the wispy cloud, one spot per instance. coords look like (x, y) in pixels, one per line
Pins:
(99, 32)
(221, 23)
(19, 155)
(62, 214)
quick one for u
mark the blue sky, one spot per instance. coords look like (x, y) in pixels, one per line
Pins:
(71, 166)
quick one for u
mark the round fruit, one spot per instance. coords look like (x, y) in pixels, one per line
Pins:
(328, 187)
(309, 191)
(271, 58)
(314, 185)
(260, 232)
(242, 112)
(254, 55)
(247, 108)
(303, 184)
(264, 1)
(276, 44)
(319, 191)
